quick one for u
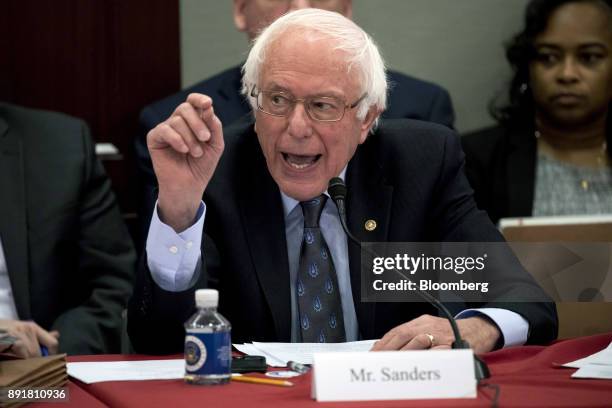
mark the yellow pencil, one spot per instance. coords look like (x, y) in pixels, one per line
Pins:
(257, 380)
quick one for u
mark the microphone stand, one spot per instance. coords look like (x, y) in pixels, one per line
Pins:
(337, 191)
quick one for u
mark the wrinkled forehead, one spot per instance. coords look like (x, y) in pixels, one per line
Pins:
(310, 50)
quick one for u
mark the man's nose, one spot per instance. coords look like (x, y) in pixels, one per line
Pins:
(300, 124)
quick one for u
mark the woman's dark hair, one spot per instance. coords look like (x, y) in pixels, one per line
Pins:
(520, 111)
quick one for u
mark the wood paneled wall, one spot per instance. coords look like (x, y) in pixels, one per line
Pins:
(100, 60)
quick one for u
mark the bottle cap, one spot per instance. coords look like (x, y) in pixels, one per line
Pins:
(207, 297)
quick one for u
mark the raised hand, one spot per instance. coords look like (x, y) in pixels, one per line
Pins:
(185, 150)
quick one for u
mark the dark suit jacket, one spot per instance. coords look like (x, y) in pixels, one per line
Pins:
(69, 256)
(500, 165)
(408, 176)
(408, 98)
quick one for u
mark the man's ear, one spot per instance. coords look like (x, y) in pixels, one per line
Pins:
(239, 16)
(367, 123)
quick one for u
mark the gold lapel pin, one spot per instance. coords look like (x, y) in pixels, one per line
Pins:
(370, 225)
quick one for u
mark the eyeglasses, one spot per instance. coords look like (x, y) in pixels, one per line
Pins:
(318, 108)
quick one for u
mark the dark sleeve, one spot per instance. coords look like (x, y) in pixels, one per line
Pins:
(149, 118)
(106, 258)
(156, 316)
(459, 220)
(441, 109)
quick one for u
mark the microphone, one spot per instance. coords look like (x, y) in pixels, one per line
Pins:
(337, 191)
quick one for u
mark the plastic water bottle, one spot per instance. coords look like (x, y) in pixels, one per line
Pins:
(207, 342)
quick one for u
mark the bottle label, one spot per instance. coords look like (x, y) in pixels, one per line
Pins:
(207, 353)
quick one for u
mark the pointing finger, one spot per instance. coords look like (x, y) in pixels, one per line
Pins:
(199, 101)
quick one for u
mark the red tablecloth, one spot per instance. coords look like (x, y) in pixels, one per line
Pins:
(525, 376)
(78, 398)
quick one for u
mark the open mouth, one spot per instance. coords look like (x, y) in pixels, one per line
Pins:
(300, 162)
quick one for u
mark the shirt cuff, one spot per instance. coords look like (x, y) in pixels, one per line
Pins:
(513, 327)
(173, 259)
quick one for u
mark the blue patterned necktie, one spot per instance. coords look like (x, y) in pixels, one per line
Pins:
(321, 319)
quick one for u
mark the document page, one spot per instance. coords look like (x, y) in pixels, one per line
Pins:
(603, 357)
(92, 372)
(282, 353)
(600, 372)
(597, 365)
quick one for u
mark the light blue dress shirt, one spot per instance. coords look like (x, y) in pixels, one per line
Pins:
(174, 260)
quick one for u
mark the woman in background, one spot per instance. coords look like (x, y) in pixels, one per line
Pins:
(550, 153)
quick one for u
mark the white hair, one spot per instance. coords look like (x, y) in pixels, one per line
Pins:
(361, 52)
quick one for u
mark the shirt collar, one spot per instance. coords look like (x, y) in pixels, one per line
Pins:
(290, 203)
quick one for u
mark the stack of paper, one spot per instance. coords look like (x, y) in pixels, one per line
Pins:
(43, 372)
(598, 365)
(279, 354)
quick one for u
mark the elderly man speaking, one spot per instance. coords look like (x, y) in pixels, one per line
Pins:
(267, 234)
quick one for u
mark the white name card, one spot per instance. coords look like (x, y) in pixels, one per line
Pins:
(393, 375)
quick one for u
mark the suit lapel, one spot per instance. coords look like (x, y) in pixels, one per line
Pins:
(369, 199)
(13, 222)
(262, 212)
(520, 173)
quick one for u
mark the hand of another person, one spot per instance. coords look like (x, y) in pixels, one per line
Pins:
(30, 337)
(185, 150)
(428, 331)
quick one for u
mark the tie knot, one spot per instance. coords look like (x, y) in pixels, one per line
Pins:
(312, 210)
